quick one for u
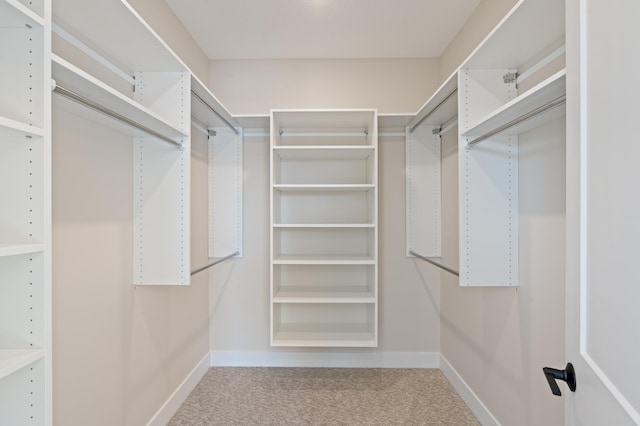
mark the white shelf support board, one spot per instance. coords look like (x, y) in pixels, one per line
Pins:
(162, 189)
(225, 192)
(423, 191)
(488, 176)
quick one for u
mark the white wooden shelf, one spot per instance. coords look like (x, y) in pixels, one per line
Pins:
(12, 12)
(17, 249)
(324, 225)
(12, 360)
(115, 30)
(322, 187)
(324, 294)
(441, 106)
(522, 34)
(10, 127)
(324, 335)
(328, 152)
(548, 90)
(202, 114)
(324, 260)
(76, 80)
(323, 204)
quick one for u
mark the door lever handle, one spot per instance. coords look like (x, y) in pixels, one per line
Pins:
(568, 375)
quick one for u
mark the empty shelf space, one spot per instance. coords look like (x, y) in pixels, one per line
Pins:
(441, 107)
(324, 260)
(123, 43)
(523, 33)
(16, 249)
(328, 152)
(324, 294)
(73, 78)
(9, 127)
(12, 360)
(329, 335)
(324, 225)
(325, 188)
(547, 91)
(14, 14)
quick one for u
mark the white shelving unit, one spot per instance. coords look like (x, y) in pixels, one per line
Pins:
(324, 228)
(493, 111)
(25, 216)
(134, 74)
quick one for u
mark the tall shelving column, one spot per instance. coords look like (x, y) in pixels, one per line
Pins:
(134, 74)
(25, 216)
(512, 83)
(324, 244)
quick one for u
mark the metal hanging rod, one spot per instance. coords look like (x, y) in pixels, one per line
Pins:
(99, 108)
(531, 114)
(426, 259)
(222, 259)
(435, 108)
(216, 113)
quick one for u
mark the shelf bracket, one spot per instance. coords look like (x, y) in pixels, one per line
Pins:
(510, 78)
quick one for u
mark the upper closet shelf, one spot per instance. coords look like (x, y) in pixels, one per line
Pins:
(14, 14)
(552, 89)
(12, 127)
(98, 24)
(78, 81)
(525, 32)
(207, 110)
(441, 107)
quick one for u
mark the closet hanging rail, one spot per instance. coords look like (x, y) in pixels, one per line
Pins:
(426, 259)
(216, 113)
(222, 259)
(434, 109)
(99, 108)
(531, 114)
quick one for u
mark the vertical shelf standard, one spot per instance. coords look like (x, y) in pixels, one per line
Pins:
(324, 218)
(25, 216)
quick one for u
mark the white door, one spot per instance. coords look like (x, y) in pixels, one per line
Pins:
(603, 211)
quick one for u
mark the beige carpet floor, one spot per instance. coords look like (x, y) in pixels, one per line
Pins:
(323, 396)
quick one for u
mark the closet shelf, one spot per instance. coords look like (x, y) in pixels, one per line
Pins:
(201, 113)
(539, 95)
(329, 335)
(16, 249)
(523, 33)
(73, 78)
(99, 23)
(324, 188)
(324, 260)
(441, 107)
(323, 225)
(9, 127)
(12, 11)
(12, 360)
(324, 294)
(323, 152)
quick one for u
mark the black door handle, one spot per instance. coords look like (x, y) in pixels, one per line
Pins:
(568, 375)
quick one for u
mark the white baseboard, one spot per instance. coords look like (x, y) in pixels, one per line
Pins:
(474, 403)
(176, 399)
(279, 358)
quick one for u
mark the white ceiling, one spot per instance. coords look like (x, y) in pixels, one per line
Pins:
(288, 29)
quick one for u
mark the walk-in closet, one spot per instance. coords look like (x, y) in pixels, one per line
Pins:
(318, 212)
